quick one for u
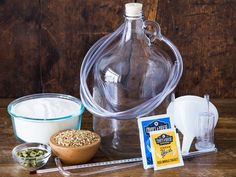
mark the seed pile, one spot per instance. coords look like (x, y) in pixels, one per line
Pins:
(76, 138)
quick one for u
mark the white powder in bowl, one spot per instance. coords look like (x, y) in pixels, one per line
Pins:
(45, 109)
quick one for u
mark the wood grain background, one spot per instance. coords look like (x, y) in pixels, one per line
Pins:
(43, 42)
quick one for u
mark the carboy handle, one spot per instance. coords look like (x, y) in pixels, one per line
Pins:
(155, 33)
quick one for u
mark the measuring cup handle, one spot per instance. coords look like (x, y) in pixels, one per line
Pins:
(156, 34)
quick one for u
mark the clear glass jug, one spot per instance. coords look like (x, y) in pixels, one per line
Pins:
(132, 78)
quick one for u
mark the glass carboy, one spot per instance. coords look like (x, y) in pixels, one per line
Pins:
(132, 78)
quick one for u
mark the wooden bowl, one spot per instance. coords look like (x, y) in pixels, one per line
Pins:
(74, 155)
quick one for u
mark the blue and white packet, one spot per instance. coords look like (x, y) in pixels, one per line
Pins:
(147, 125)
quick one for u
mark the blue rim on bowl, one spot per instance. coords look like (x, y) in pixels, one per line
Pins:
(45, 95)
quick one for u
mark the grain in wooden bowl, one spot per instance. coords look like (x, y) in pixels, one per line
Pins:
(75, 146)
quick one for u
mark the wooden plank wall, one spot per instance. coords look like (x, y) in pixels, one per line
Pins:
(43, 42)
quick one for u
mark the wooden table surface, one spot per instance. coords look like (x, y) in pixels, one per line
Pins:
(222, 163)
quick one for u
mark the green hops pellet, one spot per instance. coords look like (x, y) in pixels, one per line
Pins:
(31, 156)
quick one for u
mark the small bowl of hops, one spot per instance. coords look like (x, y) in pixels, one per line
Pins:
(31, 156)
(75, 146)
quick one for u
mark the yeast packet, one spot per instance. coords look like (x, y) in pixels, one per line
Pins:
(165, 149)
(147, 125)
